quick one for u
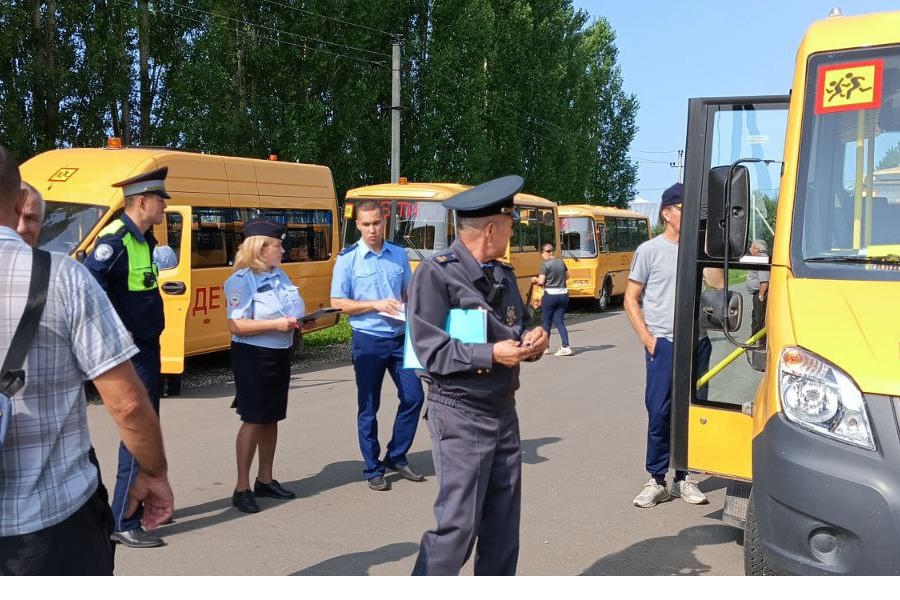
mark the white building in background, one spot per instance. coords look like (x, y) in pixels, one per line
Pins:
(646, 207)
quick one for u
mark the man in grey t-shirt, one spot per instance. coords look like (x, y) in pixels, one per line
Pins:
(653, 273)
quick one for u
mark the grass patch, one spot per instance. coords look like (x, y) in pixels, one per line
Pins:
(339, 334)
(736, 276)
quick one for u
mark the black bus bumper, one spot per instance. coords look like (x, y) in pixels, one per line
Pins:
(826, 507)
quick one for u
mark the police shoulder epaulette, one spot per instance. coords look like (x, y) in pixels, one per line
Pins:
(504, 264)
(242, 272)
(445, 258)
(348, 249)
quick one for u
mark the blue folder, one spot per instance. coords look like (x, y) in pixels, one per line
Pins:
(468, 325)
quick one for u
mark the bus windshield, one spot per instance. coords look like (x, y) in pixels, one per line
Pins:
(66, 224)
(849, 179)
(577, 237)
(422, 227)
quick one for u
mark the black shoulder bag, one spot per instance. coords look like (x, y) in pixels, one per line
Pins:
(12, 376)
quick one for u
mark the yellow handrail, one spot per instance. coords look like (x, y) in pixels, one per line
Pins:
(729, 359)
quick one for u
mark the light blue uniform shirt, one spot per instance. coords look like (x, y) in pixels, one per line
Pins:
(263, 296)
(361, 274)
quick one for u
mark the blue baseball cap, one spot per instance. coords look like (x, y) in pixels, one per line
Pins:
(673, 196)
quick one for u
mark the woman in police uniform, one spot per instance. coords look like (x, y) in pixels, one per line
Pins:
(263, 311)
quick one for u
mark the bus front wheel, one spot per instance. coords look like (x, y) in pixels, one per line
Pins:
(603, 299)
(754, 557)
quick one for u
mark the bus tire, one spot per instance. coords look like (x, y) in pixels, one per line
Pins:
(173, 385)
(603, 299)
(754, 557)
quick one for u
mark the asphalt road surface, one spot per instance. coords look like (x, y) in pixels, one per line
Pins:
(583, 427)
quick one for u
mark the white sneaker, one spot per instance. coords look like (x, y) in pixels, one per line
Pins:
(688, 491)
(564, 351)
(651, 495)
(547, 351)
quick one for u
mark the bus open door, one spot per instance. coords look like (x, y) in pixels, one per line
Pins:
(712, 426)
(175, 286)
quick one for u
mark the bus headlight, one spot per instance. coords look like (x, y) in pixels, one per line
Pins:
(818, 396)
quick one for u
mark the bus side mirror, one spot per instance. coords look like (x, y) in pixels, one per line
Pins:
(711, 316)
(738, 188)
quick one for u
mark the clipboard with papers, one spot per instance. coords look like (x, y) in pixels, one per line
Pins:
(468, 325)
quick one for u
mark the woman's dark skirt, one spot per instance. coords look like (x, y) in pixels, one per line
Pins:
(262, 377)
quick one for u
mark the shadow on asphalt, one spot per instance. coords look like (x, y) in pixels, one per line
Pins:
(359, 563)
(334, 475)
(669, 555)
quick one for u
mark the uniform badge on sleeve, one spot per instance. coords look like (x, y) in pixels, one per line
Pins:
(103, 252)
(511, 315)
(235, 300)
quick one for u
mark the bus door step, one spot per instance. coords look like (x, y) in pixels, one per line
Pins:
(737, 498)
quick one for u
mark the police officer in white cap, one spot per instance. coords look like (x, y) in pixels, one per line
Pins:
(122, 263)
(471, 410)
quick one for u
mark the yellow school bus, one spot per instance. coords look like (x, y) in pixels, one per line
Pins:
(418, 221)
(212, 197)
(597, 244)
(801, 416)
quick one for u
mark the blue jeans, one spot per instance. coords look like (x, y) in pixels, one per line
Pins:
(372, 357)
(553, 310)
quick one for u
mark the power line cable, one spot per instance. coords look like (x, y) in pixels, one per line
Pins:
(281, 31)
(309, 12)
(214, 16)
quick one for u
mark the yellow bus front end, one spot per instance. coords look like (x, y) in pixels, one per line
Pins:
(808, 423)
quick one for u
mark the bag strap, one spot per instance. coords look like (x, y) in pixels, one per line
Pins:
(12, 377)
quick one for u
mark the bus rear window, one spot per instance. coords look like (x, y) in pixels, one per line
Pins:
(66, 224)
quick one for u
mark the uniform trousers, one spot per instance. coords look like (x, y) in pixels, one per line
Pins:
(372, 357)
(478, 462)
(147, 365)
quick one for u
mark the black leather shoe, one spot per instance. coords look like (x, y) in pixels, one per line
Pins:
(407, 471)
(272, 489)
(245, 502)
(136, 538)
(379, 484)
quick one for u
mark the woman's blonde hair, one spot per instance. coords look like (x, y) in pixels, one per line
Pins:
(249, 253)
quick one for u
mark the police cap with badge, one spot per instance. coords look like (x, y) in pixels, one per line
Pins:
(493, 197)
(153, 182)
(263, 227)
(490, 198)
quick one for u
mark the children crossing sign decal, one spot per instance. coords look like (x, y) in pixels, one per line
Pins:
(849, 86)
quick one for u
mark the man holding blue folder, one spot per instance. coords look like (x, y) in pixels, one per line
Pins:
(471, 410)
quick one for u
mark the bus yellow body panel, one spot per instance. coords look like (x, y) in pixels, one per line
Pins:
(213, 194)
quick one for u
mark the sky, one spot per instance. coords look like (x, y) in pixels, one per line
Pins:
(670, 51)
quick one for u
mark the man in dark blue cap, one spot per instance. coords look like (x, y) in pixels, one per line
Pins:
(653, 272)
(122, 262)
(471, 410)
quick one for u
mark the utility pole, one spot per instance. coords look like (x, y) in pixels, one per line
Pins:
(395, 112)
(679, 164)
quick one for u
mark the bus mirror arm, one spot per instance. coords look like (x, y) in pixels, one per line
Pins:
(409, 241)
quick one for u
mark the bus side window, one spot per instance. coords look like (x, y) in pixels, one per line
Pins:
(307, 233)
(213, 237)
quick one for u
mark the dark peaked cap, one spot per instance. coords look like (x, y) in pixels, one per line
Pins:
(264, 227)
(154, 181)
(490, 198)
